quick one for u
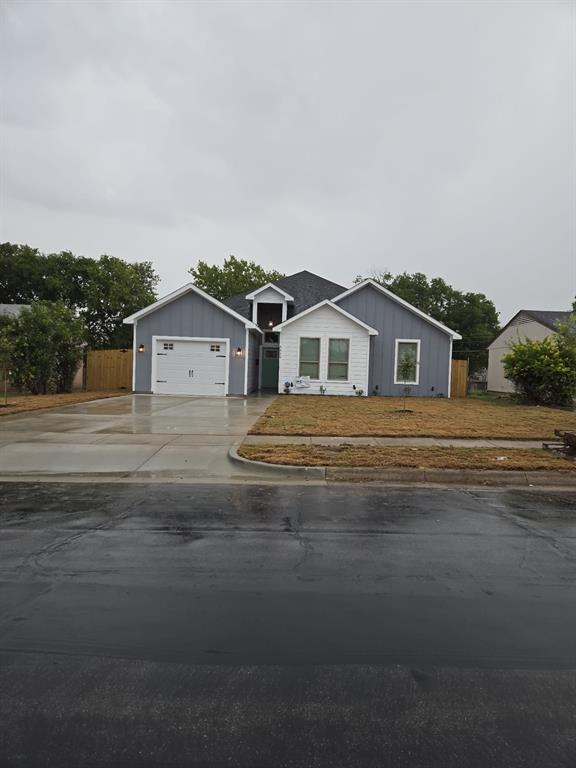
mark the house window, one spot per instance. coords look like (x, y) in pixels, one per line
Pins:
(168, 345)
(407, 361)
(214, 347)
(338, 352)
(310, 358)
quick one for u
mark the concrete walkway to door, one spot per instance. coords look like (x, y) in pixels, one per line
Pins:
(140, 435)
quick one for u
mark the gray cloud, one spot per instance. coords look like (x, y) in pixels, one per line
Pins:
(330, 136)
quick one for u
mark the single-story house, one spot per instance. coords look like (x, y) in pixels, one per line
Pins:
(303, 333)
(532, 324)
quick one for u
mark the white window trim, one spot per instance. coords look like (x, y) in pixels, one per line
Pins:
(156, 339)
(347, 379)
(397, 344)
(320, 339)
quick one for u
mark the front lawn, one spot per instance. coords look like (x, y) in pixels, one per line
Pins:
(427, 417)
(23, 403)
(429, 457)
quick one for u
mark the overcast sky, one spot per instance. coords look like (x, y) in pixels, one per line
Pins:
(335, 137)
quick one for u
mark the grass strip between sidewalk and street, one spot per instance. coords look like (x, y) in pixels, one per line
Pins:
(429, 457)
(314, 415)
(24, 403)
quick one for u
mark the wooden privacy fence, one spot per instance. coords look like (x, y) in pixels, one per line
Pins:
(459, 378)
(109, 369)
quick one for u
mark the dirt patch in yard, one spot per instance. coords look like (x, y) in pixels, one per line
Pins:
(23, 403)
(428, 417)
(431, 457)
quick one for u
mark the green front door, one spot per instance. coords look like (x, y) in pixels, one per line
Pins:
(269, 362)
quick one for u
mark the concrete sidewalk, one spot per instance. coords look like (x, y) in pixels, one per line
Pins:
(445, 442)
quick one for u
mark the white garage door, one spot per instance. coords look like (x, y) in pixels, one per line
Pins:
(190, 367)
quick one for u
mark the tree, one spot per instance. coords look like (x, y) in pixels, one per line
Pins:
(473, 315)
(234, 276)
(544, 372)
(47, 342)
(102, 291)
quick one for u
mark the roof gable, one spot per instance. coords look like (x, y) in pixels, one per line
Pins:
(307, 289)
(269, 286)
(188, 288)
(336, 308)
(410, 307)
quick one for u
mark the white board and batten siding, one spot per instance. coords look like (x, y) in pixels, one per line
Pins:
(325, 323)
(269, 296)
(520, 329)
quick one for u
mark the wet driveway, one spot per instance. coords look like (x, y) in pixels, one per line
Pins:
(287, 626)
(147, 434)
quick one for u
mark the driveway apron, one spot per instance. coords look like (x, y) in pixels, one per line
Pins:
(149, 435)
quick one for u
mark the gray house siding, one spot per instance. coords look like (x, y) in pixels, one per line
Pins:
(189, 315)
(393, 321)
(253, 355)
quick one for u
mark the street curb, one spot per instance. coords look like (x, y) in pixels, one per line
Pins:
(277, 469)
(489, 477)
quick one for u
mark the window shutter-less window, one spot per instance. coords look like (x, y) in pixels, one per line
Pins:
(309, 358)
(338, 352)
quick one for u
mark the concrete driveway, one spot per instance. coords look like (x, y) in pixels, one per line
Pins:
(145, 435)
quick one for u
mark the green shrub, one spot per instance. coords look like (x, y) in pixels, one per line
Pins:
(47, 343)
(544, 372)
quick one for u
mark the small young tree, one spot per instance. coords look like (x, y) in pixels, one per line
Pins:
(47, 345)
(407, 371)
(544, 372)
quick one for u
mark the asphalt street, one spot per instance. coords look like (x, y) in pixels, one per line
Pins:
(179, 625)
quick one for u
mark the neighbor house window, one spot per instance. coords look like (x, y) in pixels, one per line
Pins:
(338, 350)
(310, 358)
(407, 361)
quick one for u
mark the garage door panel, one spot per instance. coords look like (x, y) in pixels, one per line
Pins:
(191, 367)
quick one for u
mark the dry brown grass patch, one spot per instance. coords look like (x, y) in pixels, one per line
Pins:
(429, 457)
(23, 403)
(429, 417)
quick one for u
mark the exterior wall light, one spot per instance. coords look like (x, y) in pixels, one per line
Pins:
(238, 352)
(141, 348)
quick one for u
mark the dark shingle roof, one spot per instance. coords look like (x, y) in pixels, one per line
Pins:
(547, 318)
(306, 288)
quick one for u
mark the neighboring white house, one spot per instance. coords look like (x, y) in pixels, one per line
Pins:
(526, 324)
